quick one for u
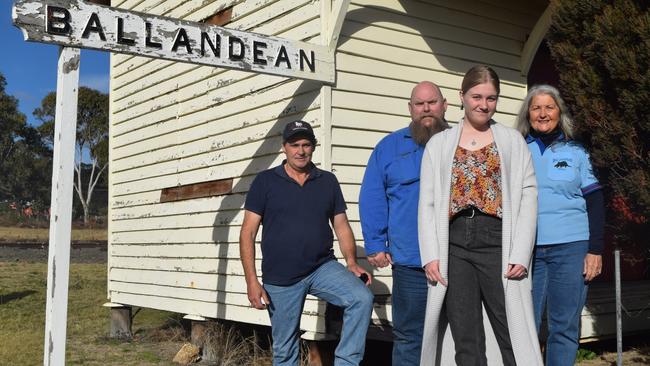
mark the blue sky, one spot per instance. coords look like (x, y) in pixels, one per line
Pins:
(30, 68)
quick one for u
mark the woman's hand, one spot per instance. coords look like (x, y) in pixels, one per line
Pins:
(432, 270)
(592, 267)
(516, 271)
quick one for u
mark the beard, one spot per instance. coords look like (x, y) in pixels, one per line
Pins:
(421, 133)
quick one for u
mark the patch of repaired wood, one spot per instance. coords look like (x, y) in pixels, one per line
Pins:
(196, 190)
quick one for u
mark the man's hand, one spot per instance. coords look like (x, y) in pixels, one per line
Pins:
(357, 270)
(380, 259)
(515, 271)
(593, 265)
(432, 270)
(256, 295)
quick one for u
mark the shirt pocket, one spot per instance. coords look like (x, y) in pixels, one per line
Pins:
(562, 167)
(404, 170)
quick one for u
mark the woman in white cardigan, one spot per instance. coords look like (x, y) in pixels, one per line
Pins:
(476, 226)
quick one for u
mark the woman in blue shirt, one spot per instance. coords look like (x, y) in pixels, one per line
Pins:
(569, 224)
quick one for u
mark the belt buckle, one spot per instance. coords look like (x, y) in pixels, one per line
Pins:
(473, 213)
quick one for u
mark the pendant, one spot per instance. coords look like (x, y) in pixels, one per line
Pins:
(473, 142)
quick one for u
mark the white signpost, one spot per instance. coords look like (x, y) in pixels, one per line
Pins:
(75, 24)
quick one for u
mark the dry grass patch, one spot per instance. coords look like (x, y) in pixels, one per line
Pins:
(22, 315)
(18, 234)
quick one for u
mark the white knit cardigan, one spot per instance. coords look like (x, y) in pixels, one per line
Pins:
(519, 203)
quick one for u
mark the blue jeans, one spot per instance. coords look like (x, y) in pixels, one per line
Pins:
(558, 286)
(333, 283)
(409, 300)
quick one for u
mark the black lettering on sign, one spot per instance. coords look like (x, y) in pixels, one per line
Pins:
(231, 49)
(120, 34)
(57, 20)
(147, 40)
(182, 40)
(310, 62)
(282, 57)
(93, 25)
(215, 47)
(258, 53)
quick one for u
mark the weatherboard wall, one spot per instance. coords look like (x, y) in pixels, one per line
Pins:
(176, 124)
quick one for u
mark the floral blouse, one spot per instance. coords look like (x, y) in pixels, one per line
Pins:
(476, 181)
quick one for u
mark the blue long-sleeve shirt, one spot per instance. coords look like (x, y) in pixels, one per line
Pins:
(388, 202)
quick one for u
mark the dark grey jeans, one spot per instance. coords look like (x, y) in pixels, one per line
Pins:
(475, 279)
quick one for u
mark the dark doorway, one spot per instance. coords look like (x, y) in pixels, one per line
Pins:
(542, 69)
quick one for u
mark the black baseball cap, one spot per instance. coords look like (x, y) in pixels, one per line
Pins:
(298, 128)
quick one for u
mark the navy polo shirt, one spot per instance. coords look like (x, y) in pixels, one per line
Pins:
(296, 233)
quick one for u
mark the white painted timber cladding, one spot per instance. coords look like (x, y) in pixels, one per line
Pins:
(178, 124)
(175, 124)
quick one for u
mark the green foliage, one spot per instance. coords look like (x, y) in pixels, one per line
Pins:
(92, 121)
(92, 140)
(585, 355)
(25, 164)
(602, 51)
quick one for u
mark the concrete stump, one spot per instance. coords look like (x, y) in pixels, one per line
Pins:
(121, 322)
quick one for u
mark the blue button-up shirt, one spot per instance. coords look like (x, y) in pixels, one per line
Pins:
(388, 202)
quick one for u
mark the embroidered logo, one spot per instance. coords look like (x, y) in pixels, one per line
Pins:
(298, 124)
(562, 164)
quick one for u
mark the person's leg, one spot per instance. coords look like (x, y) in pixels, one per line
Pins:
(567, 292)
(333, 283)
(540, 284)
(487, 259)
(285, 310)
(463, 299)
(409, 300)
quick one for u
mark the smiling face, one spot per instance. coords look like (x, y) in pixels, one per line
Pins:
(480, 103)
(543, 113)
(298, 153)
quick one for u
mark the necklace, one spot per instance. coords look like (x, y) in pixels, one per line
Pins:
(473, 143)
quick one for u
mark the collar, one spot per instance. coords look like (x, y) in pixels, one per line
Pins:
(313, 174)
(542, 146)
(530, 138)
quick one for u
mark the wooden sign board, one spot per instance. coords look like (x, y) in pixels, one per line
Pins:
(75, 23)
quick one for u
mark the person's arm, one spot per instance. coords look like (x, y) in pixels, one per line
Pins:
(373, 210)
(593, 263)
(523, 238)
(348, 247)
(256, 294)
(596, 215)
(427, 238)
(594, 200)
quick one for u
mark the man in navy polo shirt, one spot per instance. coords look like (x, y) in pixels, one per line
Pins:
(295, 202)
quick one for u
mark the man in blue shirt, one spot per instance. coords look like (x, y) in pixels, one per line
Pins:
(295, 202)
(388, 204)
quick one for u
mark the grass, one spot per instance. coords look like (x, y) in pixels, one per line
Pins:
(14, 234)
(157, 334)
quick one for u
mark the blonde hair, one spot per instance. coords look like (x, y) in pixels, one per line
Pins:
(480, 74)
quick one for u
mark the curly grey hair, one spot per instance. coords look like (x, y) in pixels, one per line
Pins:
(566, 122)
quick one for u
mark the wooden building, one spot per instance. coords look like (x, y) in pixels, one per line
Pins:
(186, 140)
